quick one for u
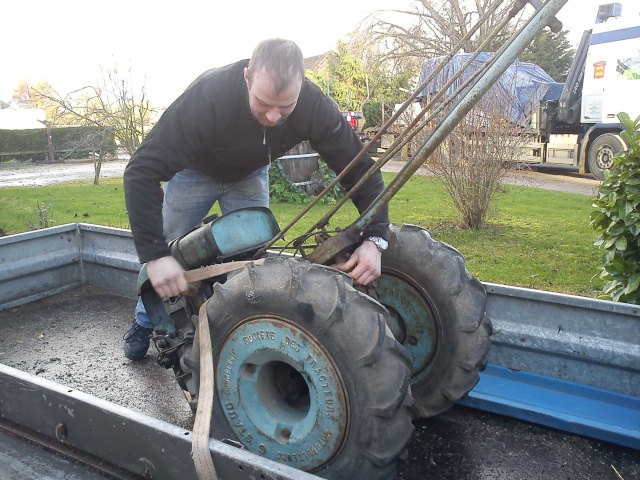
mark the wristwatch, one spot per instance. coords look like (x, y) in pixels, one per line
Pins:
(380, 242)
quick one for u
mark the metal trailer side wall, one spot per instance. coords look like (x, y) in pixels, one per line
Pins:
(39, 264)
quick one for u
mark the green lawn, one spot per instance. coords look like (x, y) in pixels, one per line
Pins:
(535, 238)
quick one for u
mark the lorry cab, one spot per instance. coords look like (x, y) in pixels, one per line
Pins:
(612, 71)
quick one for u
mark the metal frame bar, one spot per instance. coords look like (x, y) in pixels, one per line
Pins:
(117, 435)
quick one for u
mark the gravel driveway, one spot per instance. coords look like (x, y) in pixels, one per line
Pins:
(37, 175)
(41, 174)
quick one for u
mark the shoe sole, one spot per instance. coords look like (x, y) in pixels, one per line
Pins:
(133, 357)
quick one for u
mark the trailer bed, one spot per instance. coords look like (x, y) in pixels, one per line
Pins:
(74, 338)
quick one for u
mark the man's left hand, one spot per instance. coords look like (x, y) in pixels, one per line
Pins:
(364, 266)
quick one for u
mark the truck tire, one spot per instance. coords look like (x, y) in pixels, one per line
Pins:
(307, 372)
(601, 153)
(437, 312)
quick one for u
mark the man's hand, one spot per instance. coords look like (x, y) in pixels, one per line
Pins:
(364, 266)
(167, 277)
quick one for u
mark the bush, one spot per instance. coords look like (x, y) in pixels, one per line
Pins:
(283, 190)
(77, 141)
(617, 218)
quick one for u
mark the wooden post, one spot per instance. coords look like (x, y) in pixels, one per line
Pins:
(51, 156)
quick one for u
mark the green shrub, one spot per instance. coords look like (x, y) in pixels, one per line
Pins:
(283, 190)
(77, 141)
(617, 219)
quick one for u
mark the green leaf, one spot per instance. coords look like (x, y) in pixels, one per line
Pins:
(626, 122)
(621, 244)
(610, 242)
(625, 209)
(614, 232)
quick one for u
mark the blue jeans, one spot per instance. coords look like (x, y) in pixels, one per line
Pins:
(189, 196)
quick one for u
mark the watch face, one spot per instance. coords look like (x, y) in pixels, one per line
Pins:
(381, 243)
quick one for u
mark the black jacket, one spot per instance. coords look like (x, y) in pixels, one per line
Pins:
(210, 128)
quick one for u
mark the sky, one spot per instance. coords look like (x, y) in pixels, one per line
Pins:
(68, 42)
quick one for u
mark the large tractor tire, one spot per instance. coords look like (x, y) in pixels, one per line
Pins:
(437, 312)
(307, 373)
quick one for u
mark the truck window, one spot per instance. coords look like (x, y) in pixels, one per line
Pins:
(628, 67)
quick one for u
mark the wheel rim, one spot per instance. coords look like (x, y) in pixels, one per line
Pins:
(604, 157)
(281, 393)
(412, 319)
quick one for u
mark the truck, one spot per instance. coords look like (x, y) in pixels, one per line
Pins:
(573, 123)
(581, 127)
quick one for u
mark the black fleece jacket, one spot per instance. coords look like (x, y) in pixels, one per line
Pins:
(210, 128)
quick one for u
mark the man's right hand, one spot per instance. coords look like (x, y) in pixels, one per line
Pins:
(167, 277)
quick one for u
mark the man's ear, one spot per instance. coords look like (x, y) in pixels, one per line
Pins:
(246, 76)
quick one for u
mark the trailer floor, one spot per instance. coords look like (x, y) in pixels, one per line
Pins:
(75, 339)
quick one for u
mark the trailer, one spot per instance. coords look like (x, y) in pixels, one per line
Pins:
(565, 362)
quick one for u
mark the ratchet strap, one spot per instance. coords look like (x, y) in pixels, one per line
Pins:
(216, 270)
(200, 440)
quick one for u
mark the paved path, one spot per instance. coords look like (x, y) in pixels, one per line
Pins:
(37, 175)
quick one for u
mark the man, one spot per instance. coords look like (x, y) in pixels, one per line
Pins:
(215, 143)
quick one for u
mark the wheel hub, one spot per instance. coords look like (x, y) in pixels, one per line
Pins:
(604, 157)
(412, 319)
(281, 393)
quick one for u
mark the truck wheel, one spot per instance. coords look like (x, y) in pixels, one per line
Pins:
(437, 311)
(307, 372)
(601, 153)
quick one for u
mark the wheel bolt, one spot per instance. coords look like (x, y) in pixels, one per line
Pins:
(413, 340)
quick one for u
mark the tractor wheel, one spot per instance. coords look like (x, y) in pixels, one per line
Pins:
(307, 373)
(437, 311)
(601, 153)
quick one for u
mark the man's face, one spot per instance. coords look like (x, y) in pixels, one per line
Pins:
(268, 107)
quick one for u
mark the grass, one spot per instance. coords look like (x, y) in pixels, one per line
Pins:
(534, 238)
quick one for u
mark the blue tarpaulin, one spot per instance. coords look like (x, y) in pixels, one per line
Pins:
(520, 87)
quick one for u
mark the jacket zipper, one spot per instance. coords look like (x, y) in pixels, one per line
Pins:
(264, 142)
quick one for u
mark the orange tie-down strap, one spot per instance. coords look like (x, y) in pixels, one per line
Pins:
(216, 270)
(200, 441)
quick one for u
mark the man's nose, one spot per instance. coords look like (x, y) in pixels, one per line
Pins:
(274, 115)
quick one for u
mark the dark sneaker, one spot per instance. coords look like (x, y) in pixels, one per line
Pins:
(136, 341)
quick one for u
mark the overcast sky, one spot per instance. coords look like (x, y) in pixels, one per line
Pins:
(66, 41)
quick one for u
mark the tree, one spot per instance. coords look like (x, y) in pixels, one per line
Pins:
(341, 78)
(355, 81)
(432, 27)
(552, 52)
(111, 104)
(37, 95)
(472, 160)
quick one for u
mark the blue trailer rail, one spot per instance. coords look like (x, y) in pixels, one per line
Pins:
(572, 407)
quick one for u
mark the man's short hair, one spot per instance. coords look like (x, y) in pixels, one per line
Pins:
(281, 59)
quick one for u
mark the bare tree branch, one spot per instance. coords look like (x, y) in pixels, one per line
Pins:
(111, 106)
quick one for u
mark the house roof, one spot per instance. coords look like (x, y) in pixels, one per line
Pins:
(316, 62)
